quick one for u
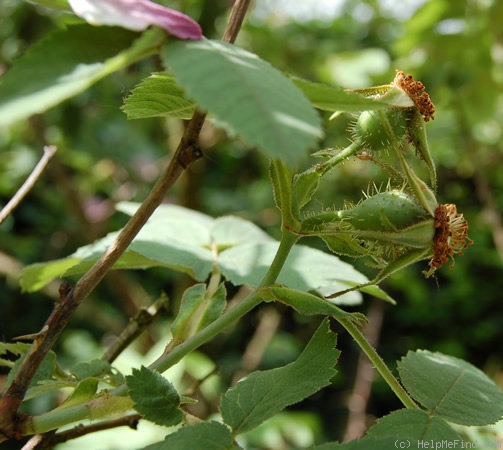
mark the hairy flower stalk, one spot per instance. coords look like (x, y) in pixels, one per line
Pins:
(137, 15)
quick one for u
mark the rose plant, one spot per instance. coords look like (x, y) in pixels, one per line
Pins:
(391, 227)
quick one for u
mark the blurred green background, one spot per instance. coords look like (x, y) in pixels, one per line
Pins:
(455, 48)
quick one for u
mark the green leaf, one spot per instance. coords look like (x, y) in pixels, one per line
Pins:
(231, 231)
(157, 96)
(198, 309)
(404, 429)
(414, 426)
(182, 239)
(174, 237)
(305, 303)
(335, 98)
(66, 63)
(304, 186)
(203, 435)
(281, 178)
(94, 368)
(48, 385)
(47, 369)
(36, 276)
(265, 393)
(451, 388)
(249, 96)
(8, 349)
(99, 369)
(306, 269)
(154, 397)
(84, 391)
(281, 175)
(84, 375)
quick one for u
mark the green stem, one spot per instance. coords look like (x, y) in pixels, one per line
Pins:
(146, 45)
(350, 150)
(378, 362)
(424, 195)
(101, 407)
(288, 240)
(232, 315)
(281, 178)
(166, 361)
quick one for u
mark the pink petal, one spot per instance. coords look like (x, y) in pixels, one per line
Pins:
(137, 15)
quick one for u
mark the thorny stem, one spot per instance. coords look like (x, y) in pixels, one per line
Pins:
(186, 153)
(350, 150)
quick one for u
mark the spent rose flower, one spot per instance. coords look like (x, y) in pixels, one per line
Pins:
(418, 94)
(451, 236)
(137, 15)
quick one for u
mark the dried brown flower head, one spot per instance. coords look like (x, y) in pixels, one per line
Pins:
(417, 93)
(451, 236)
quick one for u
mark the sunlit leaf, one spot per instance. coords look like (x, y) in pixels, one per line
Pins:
(181, 239)
(66, 63)
(198, 309)
(246, 94)
(335, 98)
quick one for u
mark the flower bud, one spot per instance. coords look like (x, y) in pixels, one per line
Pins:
(385, 223)
(379, 130)
(393, 217)
(386, 211)
(394, 230)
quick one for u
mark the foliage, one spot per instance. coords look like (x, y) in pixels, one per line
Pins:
(265, 101)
